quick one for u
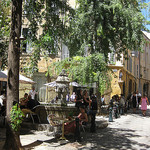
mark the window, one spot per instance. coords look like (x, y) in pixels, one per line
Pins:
(24, 43)
(130, 64)
(65, 52)
(112, 58)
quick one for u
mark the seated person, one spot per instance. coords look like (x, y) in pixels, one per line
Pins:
(69, 127)
(24, 101)
(32, 103)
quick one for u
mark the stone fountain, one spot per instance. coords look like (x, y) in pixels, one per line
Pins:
(62, 87)
(60, 109)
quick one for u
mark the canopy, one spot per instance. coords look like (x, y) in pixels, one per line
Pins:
(54, 84)
(51, 84)
(22, 79)
(75, 84)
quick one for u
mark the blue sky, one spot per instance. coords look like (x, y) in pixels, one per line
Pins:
(146, 14)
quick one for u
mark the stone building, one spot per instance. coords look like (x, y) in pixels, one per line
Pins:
(132, 74)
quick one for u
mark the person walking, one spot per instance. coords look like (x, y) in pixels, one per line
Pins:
(144, 102)
(102, 100)
(134, 102)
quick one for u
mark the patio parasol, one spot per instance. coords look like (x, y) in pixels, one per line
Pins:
(22, 79)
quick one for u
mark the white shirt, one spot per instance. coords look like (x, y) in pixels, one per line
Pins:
(2, 97)
(122, 102)
(32, 93)
(73, 97)
(1, 101)
(102, 99)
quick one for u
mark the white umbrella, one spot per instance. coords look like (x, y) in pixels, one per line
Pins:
(22, 79)
(74, 84)
(54, 84)
(51, 84)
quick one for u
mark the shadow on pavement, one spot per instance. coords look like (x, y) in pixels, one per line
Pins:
(31, 145)
(111, 139)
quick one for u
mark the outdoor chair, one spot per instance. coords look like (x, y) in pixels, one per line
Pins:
(55, 123)
(32, 114)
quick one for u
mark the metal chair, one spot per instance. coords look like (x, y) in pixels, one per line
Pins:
(55, 123)
(30, 113)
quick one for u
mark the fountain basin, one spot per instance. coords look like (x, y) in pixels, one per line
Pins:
(60, 111)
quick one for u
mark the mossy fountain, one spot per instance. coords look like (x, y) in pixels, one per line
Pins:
(60, 109)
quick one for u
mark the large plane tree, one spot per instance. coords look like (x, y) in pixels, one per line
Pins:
(100, 25)
(36, 11)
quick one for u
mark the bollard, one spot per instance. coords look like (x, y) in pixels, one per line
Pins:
(110, 115)
(62, 137)
(77, 136)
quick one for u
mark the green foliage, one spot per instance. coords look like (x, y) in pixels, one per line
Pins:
(49, 72)
(86, 70)
(5, 29)
(16, 117)
(52, 16)
(106, 25)
(98, 25)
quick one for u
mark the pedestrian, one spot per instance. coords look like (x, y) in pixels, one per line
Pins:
(93, 110)
(86, 99)
(68, 97)
(121, 104)
(33, 93)
(72, 97)
(79, 98)
(144, 102)
(134, 102)
(139, 98)
(102, 100)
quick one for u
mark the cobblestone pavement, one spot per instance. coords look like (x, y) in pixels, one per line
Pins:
(129, 132)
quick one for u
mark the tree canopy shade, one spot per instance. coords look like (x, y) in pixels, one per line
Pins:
(102, 26)
(4, 30)
(85, 70)
(52, 16)
(106, 25)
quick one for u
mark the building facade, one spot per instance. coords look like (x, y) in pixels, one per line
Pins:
(131, 74)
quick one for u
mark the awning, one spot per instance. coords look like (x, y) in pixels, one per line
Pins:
(22, 79)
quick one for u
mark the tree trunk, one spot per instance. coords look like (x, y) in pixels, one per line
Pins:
(12, 138)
